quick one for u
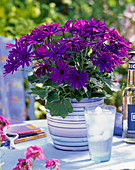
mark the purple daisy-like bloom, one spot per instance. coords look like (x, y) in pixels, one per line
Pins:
(37, 36)
(19, 55)
(66, 27)
(42, 68)
(60, 73)
(96, 26)
(74, 43)
(116, 60)
(24, 54)
(79, 46)
(55, 52)
(117, 53)
(77, 80)
(40, 52)
(119, 42)
(104, 61)
(51, 29)
(11, 66)
(78, 28)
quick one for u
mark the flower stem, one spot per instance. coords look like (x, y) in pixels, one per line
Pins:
(67, 94)
(82, 60)
(32, 164)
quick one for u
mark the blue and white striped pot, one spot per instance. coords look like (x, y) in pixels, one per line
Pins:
(70, 133)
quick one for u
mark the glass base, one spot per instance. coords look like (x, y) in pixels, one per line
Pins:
(102, 158)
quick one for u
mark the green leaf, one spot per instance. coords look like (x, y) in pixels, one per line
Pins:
(34, 79)
(53, 96)
(81, 91)
(42, 92)
(61, 107)
(89, 93)
(78, 97)
(49, 83)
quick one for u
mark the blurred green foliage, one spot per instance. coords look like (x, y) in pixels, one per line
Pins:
(19, 17)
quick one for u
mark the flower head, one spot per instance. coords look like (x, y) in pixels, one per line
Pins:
(42, 68)
(3, 122)
(51, 29)
(2, 136)
(77, 80)
(52, 163)
(104, 61)
(37, 36)
(19, 55)
(55, 52)
(23, 164)
(34, 152)
(66, 27)
(60, 73)
(40, 52)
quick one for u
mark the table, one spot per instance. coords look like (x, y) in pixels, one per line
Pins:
(123, 154)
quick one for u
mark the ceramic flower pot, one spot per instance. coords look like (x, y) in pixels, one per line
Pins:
(70, 133)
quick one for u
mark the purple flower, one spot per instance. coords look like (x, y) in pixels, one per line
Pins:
(42, 68)
(77, 80)
(96, 26)
(73, 43)
(37, 36)
(80, 46)
(118, 41)
(116, 60)
(40, 52)
(19, 55)
(51, 29)
(11, 66)
(66, 27)
(25, 55)
(55, 52)
(104, 61)
(60, 73)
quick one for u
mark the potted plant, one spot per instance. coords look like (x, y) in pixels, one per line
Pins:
(73, 61)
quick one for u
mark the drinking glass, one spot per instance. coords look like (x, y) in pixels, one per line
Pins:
(100, 128)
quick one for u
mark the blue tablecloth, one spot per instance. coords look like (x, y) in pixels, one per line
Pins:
(123, 154)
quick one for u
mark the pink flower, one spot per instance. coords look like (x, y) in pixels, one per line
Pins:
(2, 136)
(3, 122)
(23, 164)
(52, 163)
(34, 152)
